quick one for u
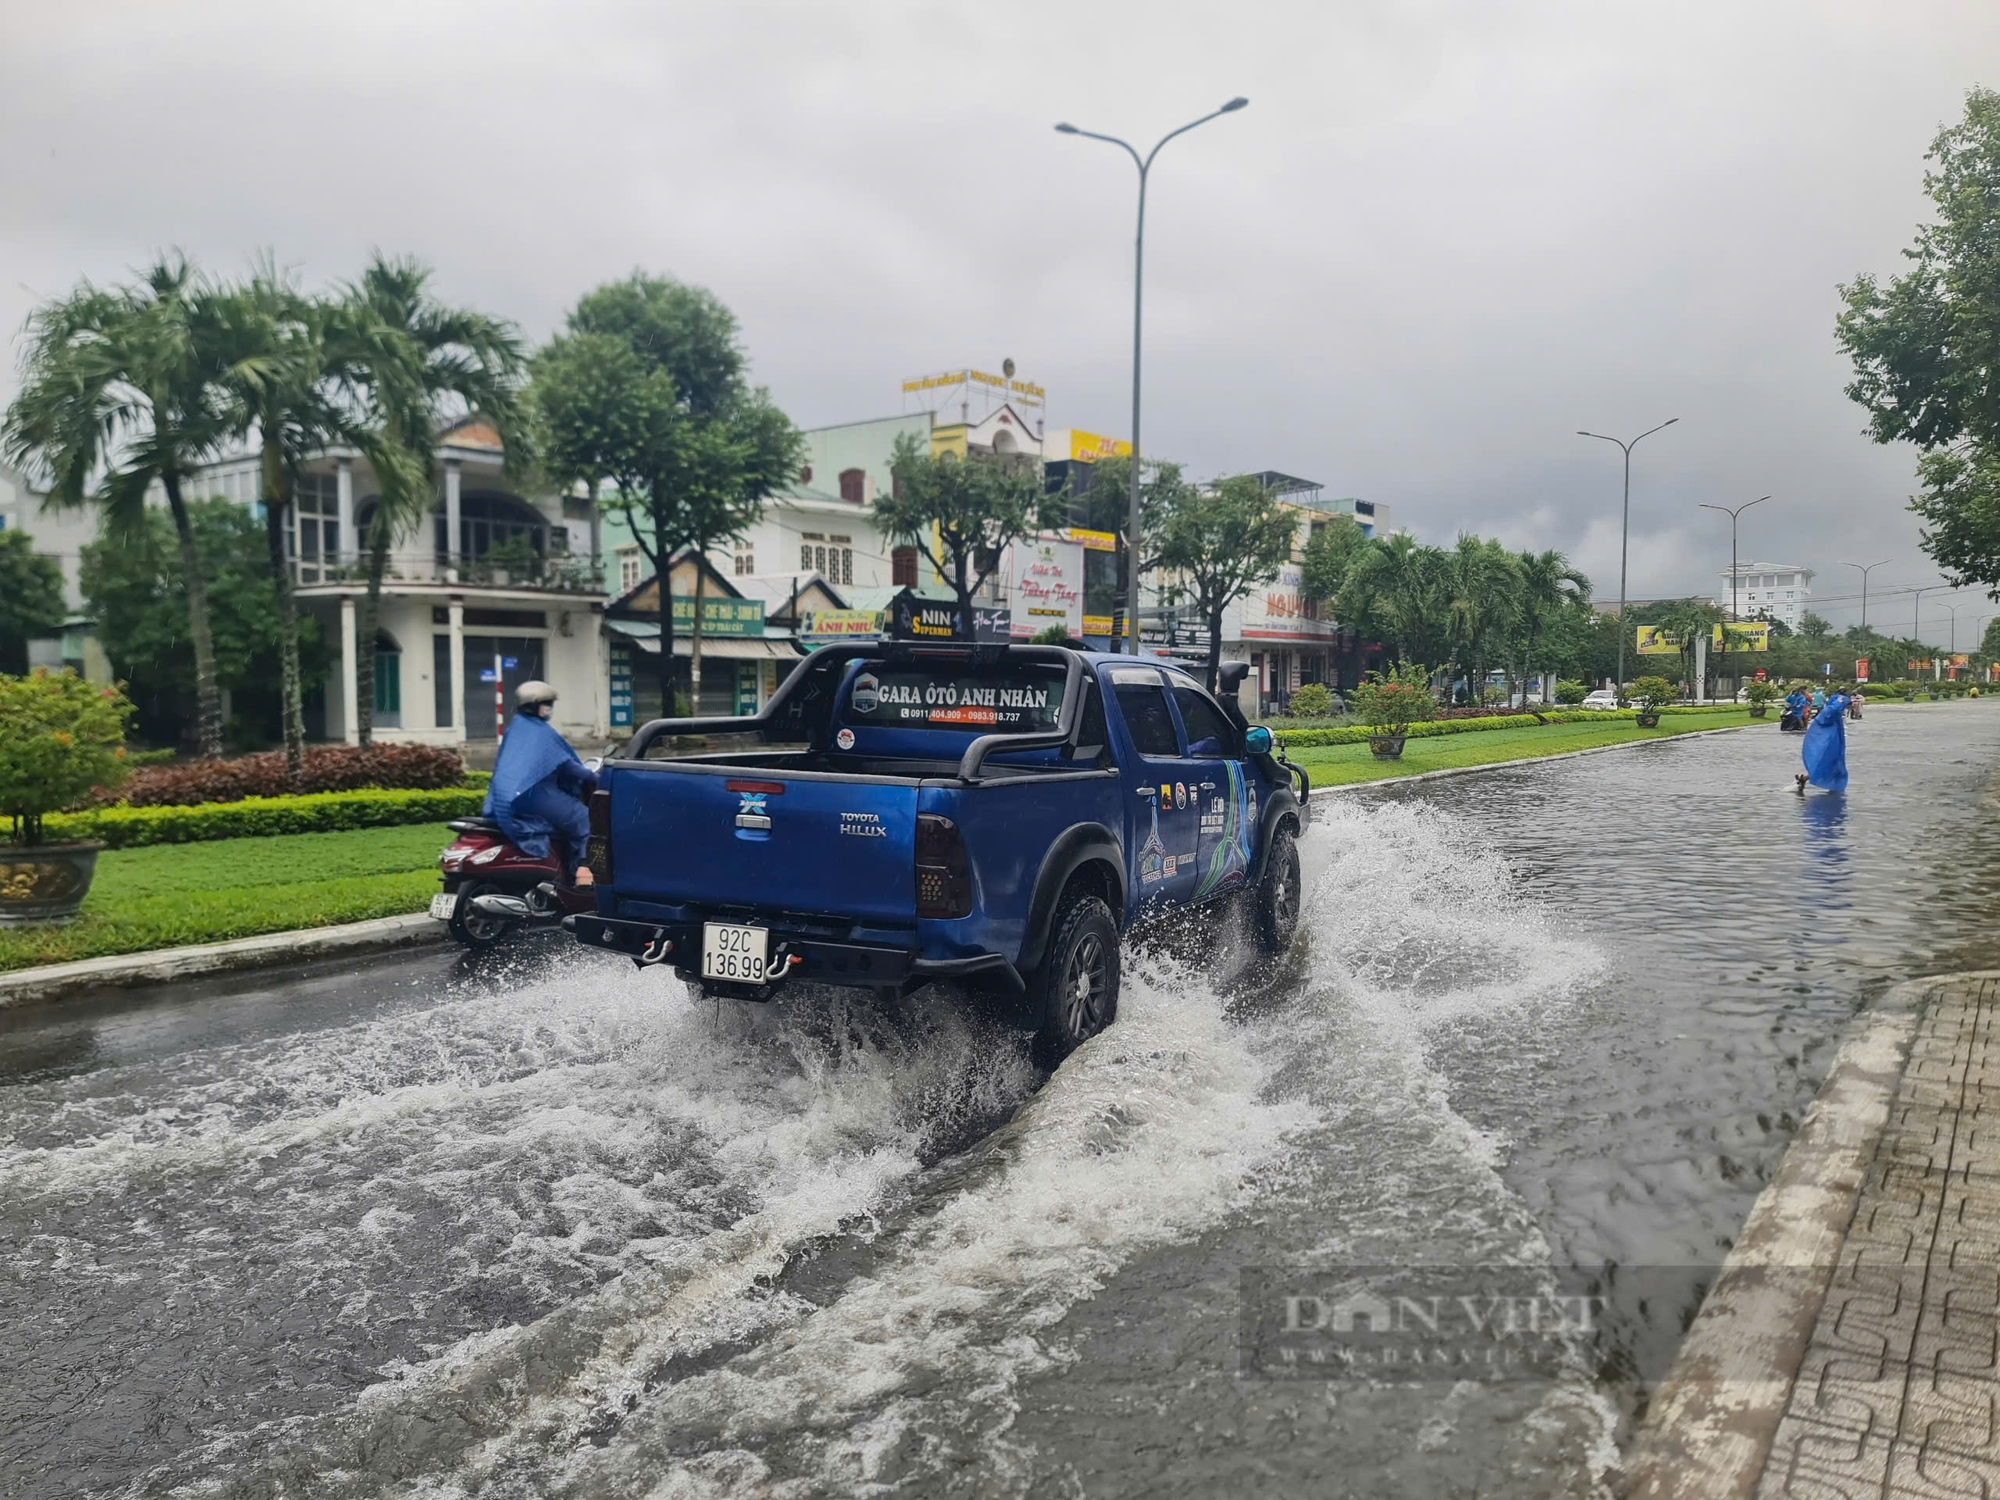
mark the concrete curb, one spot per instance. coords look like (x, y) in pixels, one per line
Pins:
(1525, 760)
(1709, 1429)
(28, 986)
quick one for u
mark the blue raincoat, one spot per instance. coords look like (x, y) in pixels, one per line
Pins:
(1824, 750)
(537, 781)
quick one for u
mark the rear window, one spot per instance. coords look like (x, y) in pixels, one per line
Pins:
(984, 700)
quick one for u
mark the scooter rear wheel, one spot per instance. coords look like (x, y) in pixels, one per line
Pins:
(471, 928)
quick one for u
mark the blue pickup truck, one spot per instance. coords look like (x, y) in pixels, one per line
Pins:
(906, 812)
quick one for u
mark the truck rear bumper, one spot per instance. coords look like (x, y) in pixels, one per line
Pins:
(816, 960)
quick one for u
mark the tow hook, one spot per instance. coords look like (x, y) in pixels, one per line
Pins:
(655, 951)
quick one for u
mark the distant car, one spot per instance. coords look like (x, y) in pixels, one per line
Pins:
(1602, 698)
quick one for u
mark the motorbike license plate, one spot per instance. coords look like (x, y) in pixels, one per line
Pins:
(443, 905)
(734, 953)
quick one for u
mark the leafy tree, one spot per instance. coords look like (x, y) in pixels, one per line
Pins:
(281, 374)
(1330, 554)
(413, 363)
(1989, 644)
(962, 513)
(646, 392)
(1814, 627)
(1483, 585)
(119, 391)
(31, 599)
(1401, 584)
(1687, 623)
(1550, 589)
(137, 593)
(1926, 347)
(1219, 543)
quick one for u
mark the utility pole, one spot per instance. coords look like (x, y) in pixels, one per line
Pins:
(1864, 586)
(1144, 165)
(1625, 530)
(1734, 612)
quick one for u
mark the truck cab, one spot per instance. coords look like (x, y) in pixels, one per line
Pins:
(907, 812)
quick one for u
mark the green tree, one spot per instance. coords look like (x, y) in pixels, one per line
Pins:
(1550, 589)
(415, 363)
(1687, 623)
(281, 353)
(1218, 543)
(1330, 554)
(118, 391)
(646, 392)
(962, 513)
(1401, 585)
(1926, 347)
(1989, 645)
(137, 593)
(1814, 627)
(31, 599)
(1483, 588)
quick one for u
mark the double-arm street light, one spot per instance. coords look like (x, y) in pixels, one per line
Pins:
(1734, 612)
(1864, 585)
(1144, 164)
(1625, 528)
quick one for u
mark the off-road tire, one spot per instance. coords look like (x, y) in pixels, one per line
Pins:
(1075, 991)
(1274, 903)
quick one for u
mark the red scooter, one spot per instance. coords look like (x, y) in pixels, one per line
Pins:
(492, 888)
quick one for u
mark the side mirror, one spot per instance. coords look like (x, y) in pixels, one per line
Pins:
(594, 764)
(1257, 740)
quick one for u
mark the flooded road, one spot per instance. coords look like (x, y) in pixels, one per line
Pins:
(411, 1228)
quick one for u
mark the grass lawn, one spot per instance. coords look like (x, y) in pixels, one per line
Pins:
(1339, 765)
(173, 894)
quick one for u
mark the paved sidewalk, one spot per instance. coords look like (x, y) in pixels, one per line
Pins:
(1899, 1391)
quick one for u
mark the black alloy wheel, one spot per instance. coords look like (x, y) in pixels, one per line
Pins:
(1278, 896)
(1078, 982)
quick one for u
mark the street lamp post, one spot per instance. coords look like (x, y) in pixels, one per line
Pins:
(1625, 529)
(1144, 164)
(1734, 612)
(1864, 586)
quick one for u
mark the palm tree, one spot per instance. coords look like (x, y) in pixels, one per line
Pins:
(120, 381)
(274, 343)
(1549, 586)
(1485, 587)
(1688, 622)
(411, 363)
(1399, 582)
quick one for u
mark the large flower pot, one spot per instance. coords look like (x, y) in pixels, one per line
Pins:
(1649, 720)
(1759, 710)
(1386, 746)
(45, 883)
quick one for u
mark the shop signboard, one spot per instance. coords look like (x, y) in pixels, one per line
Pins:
(621, 685)
(1860, 669)
(1655, 640)
(1047, 591)
(821, 626)
(1755, 637)
(719, 617)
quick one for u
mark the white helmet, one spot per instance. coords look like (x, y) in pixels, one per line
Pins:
(533, 693)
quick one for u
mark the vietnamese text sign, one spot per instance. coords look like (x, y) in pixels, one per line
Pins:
(719, 616)
(1048, 587)
(1755, 637)
(1657, 640)
(839, 623)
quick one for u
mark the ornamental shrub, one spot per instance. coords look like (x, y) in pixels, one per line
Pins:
(1570, 693)
(1312, 701)
(1390, 702)
(59, 737)
(1758, 691)
(1651, 694)
(257, 817)
(327, 768)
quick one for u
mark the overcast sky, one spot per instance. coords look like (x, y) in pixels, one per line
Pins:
(1442, 238)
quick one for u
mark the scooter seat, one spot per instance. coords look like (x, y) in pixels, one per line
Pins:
(477, 823)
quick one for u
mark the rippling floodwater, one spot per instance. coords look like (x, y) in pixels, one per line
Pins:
(413, 1230)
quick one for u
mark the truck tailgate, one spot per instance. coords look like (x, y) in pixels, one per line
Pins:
(770, 841)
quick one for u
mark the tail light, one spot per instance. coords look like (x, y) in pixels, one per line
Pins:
(944, 876)
(597, 853)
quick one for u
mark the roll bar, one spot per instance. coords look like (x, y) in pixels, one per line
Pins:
(829, 656)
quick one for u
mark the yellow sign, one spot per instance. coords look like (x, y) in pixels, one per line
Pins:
(1097, 624)
(1743, 637)
(1026, 392)
(1654, 641)
(842, 622)
(1088, 447)
(1095, 541)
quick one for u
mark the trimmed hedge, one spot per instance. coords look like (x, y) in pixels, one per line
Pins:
(1361, 734)
(260, 817)
(325, 768)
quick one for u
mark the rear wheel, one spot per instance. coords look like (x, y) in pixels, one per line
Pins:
(472, 928)
(1275, 902)
(1076, 988)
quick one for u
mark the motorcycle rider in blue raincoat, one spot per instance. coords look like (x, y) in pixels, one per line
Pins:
(1824, 749)
(539, 783)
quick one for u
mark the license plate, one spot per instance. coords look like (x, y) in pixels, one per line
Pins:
(734, 953)
(442, 906)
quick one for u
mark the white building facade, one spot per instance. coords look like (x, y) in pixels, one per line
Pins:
(1781, 590)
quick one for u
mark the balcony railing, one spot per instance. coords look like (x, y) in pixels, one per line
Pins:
(561, 574)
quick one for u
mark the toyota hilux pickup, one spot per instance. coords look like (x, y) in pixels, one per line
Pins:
(901, 813)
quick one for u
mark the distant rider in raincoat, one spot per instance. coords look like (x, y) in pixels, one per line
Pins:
(539, 782)
(1824, 749)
